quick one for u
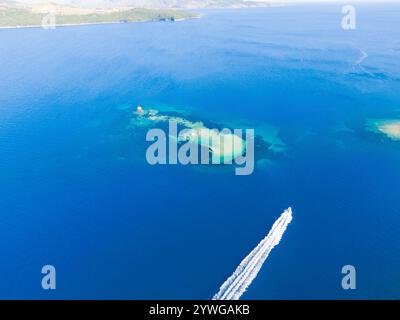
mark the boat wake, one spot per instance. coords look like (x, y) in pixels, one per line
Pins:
(360, 60)
(237, 284)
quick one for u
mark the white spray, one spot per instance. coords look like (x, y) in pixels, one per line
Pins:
(237, 284)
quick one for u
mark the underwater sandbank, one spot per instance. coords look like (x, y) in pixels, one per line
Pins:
(267, 143)
(389, 127)
(220, 144)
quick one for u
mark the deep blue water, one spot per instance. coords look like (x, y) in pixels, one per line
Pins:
(77, 193)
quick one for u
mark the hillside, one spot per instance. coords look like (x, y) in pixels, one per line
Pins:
(13, 14)
(156, 4)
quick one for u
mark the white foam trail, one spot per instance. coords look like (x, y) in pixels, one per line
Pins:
(246, 272)
(360, 60)
(363, 56)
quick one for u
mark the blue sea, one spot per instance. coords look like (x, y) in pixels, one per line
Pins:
(76, 191)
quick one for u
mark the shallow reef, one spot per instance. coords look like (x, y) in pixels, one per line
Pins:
(388, 127)
(267, 144)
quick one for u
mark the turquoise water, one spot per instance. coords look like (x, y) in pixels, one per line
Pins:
(76, 191)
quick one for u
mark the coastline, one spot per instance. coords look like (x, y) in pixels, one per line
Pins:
(91, 23)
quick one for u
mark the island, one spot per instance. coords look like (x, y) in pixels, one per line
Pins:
(22, 15)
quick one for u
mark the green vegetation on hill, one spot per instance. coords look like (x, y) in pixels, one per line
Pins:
(19, 17)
